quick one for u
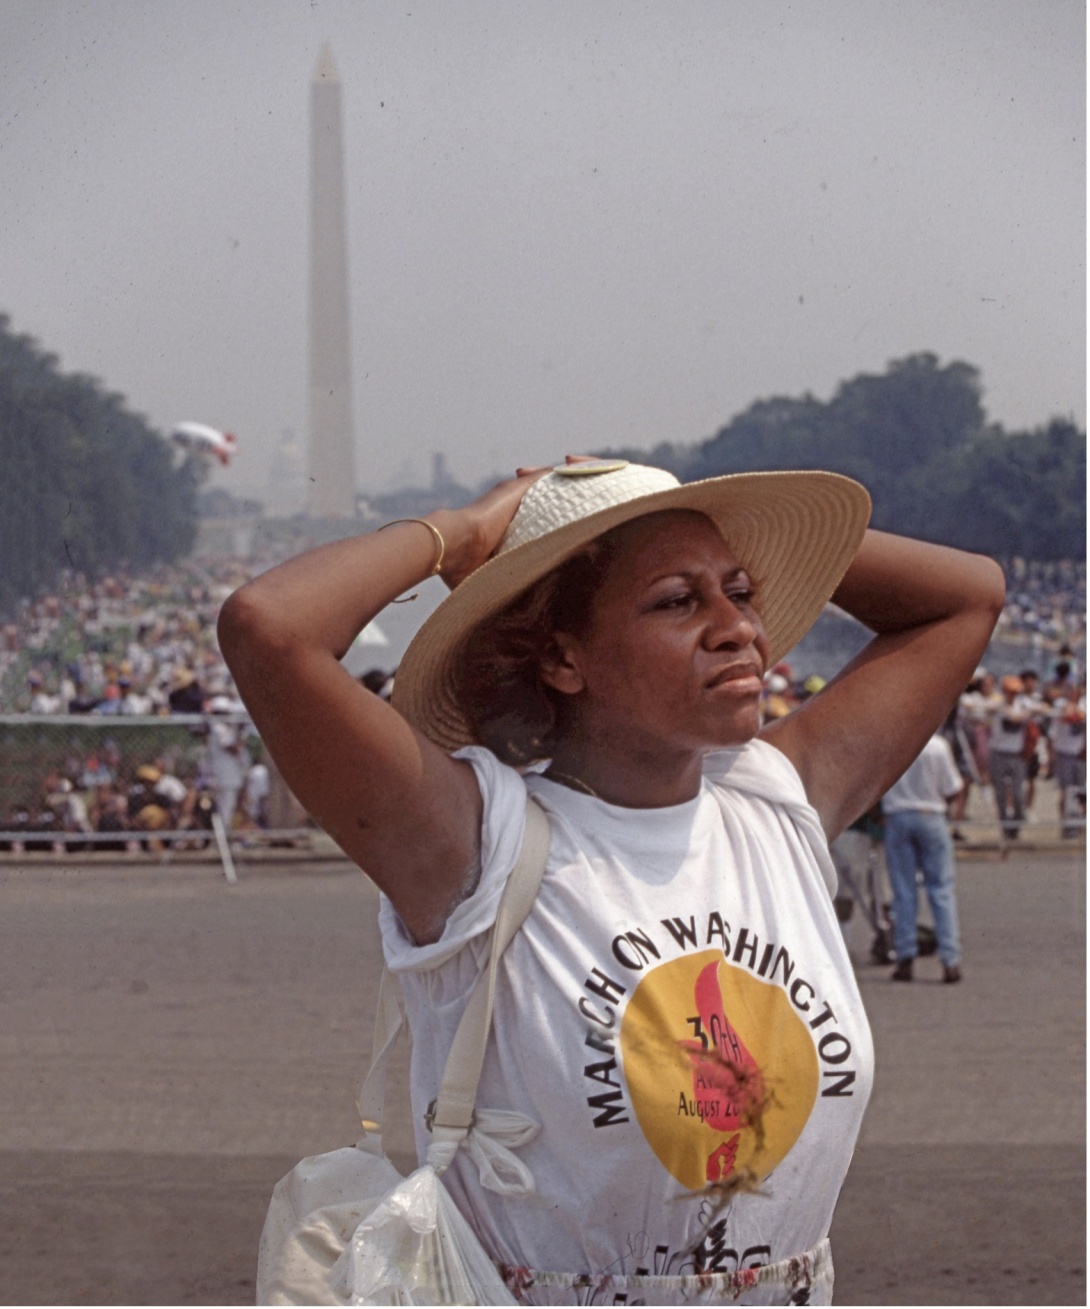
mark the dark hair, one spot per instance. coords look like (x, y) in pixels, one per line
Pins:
(497, 673)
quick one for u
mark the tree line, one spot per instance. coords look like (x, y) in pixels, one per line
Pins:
(87, 485)
(918, 438)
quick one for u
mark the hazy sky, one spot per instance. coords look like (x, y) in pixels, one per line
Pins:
(572, 224)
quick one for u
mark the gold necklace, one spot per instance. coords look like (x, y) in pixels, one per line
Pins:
(554, 774)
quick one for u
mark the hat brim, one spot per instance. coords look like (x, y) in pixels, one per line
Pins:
(794, 532)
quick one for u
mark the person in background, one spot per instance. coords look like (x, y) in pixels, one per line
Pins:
(1061, 685)
(145, 807)
(965, 760)
(777, 700)
(811, 686)
(70, 687)
(41, 702)
(225, 761)
(1006, 755)
(171, 792)
(186, 696)
(110, 700)
(859, 856)
(977, 703)
(80, 700)
(135, 701)
(109, 813)
(1035, 743)
(257, 794)
(918, 840)
(70, 808)
(1067, 755)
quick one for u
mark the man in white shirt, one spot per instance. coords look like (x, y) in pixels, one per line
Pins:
(257, 794)
(1006, 758)
(225, 760)
(41, 702)
(917, 838)
(1067, 749)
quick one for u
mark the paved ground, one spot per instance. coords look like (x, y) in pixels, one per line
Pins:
(171, 1045)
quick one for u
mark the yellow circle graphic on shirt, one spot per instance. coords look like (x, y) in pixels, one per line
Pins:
(721, 1069)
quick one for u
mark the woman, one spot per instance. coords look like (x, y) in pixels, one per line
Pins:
(678, 1011)
(977, 705)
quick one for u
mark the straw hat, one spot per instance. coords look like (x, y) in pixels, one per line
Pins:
(795, 533)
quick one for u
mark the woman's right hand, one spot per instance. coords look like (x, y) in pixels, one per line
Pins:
(393, 800)
(475, 531)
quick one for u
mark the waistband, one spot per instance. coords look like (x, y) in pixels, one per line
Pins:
(812, 1271)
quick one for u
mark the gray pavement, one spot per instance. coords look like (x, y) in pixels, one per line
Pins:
(171, 1045)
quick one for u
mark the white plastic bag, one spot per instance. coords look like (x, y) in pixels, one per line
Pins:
(345, 1228)
(415, 1248)
(312, 1217)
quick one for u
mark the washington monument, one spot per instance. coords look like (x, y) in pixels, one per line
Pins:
(331, 486)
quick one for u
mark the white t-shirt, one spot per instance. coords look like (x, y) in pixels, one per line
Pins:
(657, 934)
(224, 759)
(1008, 731)
(257, 784)
(1068, 737)
(929, 781)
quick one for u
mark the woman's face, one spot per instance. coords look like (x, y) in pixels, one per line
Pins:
(674, 651)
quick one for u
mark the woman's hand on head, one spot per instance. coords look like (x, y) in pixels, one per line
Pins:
(473, 533)
(398, 805)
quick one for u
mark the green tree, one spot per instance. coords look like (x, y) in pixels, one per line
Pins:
(88, 484)
(917, 437)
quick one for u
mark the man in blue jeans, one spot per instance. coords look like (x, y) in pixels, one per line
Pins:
(917, 839)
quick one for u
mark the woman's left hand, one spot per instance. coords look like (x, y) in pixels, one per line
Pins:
(932, 610)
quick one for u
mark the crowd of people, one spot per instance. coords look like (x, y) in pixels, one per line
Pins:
(137, 803)
(1006, 732)
(120, 645)
(147, 647)
(1045, 601)
(1009, 731)
(1002, 736)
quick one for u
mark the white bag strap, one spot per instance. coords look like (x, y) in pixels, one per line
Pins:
(458, 1089)
(451, 1114)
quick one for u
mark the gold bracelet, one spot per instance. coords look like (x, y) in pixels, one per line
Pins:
(434, 531)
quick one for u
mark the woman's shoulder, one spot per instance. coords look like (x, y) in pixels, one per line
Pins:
(759, 772)
(757, 768)
(503, 793)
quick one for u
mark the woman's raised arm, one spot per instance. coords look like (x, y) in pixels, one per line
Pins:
(933, 611)
(408, 814)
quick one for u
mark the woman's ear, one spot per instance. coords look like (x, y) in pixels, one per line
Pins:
(559, 665)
